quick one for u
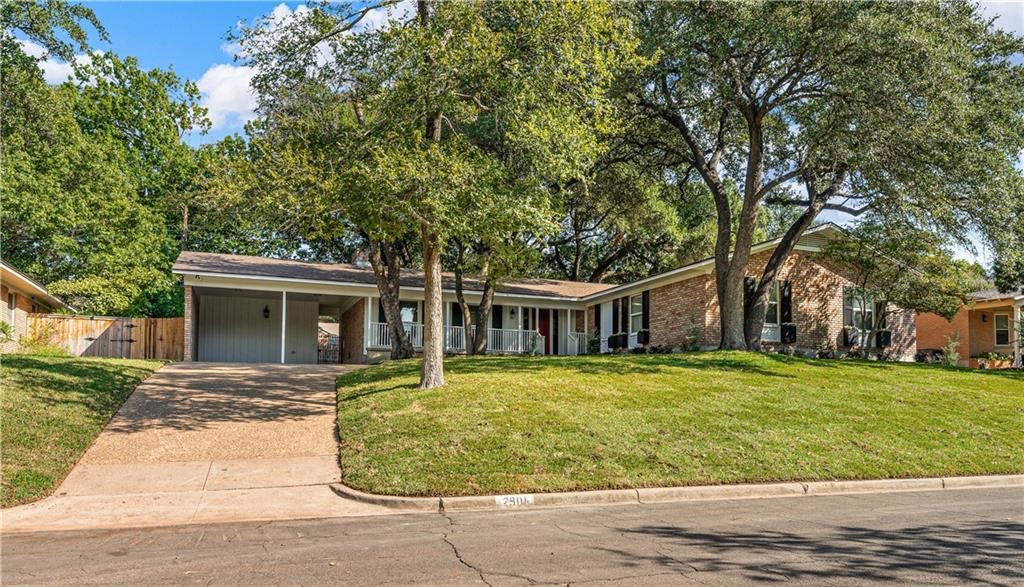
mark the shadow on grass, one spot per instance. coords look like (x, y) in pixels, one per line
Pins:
(984, 552)
(624, 364)
(771, 365)
(98, 386)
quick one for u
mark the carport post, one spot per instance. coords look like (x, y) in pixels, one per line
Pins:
(284, 318)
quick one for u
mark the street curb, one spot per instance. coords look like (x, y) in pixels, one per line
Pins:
(673, 494)
(411, 504)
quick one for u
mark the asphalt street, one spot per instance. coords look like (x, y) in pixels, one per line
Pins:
(940, 537)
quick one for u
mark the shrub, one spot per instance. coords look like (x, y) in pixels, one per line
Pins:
(43, 342)
(951, 351)
(693, 333)
(6, 332)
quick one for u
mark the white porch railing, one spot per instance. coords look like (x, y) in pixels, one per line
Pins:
(577, 343)
(498, 340)
(380, 335)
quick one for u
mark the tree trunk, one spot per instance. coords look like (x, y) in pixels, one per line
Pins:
(467, 318)
(433, 328)
(432, 373)
(483, 318)
(387, 269)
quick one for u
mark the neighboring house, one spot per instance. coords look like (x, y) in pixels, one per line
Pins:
(988, 326)
(20, 297)
(233, 309)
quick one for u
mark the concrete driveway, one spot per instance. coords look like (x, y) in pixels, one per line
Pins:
(208, 442)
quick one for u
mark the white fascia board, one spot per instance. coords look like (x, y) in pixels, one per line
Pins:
(312, 286)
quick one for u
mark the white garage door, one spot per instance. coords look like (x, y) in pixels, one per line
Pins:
(243, 328)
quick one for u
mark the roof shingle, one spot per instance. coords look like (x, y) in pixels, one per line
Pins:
(217, 263)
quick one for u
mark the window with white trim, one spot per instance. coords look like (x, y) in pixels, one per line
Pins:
(636, 314)
(858, 310)
(771, 315)
(10, 308)
(1002, 324)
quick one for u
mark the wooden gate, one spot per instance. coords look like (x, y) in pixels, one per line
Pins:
(105, 336)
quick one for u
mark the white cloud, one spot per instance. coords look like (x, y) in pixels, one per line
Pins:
(227, 95)
(384, 17)
(54, 71)
(1009, 14)
(225, 88)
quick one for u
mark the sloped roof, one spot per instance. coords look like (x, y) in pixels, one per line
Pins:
(994, 294)
(12, 277)
(227, 265)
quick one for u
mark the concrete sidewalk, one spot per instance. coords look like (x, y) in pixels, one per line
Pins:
(186, 504)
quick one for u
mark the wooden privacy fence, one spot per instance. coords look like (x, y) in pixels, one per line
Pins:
(104, 336)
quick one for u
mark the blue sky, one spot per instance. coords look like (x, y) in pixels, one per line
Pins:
(190, 37)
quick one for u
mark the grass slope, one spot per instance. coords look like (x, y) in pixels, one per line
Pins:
(533, 424)
(52, 408)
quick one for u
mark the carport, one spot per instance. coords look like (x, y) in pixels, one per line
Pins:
(259, 326)
(241, 309)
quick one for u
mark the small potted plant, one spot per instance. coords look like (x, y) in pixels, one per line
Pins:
(788, 333)
(883, 338)
(643, 336)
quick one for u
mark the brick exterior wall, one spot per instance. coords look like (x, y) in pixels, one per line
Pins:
(933, 329)
(680, 307)
(977, 334)
(817, 308)
(351, 327)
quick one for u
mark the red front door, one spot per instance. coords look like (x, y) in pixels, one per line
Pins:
(544, 327)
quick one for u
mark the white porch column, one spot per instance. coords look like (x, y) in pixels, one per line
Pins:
(1016, 332)
(284, 323)
(366, 326)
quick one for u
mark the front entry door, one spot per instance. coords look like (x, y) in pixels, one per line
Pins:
(544, 326)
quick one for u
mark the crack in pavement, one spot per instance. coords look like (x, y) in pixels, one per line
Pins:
(455, 550)
(479, 571)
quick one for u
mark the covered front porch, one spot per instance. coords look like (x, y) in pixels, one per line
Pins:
(989, 332)
(514, 329)
(994, 334)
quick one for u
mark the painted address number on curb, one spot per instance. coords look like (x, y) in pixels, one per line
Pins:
(513, 501)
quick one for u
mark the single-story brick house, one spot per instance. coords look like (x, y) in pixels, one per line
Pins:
(20, 296)
(253, 309)
(989, 326)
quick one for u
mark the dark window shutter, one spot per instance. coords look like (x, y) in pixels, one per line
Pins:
(554, 332)
(624, 314)
(496, 318)
(456, 314)
(597, 319)
(749, 286)
(786, 302)
(615, 316)
(646, 318)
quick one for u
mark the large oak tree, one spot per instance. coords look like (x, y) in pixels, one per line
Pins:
(908, 110)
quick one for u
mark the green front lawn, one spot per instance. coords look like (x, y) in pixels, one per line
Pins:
(533, 424)
(52, 408)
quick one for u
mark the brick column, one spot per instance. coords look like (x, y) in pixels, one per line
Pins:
(189, 319)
